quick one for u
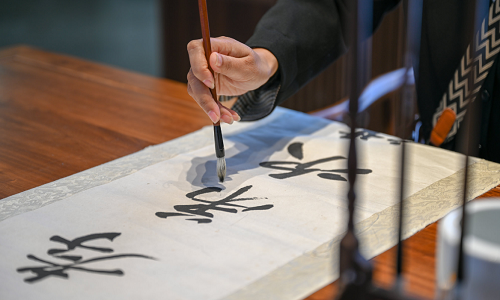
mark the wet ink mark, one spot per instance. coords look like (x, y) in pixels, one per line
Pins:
(365, 135)
(76, 262)
(394, 141)
(297, 169)
(295, 149)
(202, 209)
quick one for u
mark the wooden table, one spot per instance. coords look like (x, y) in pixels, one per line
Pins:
(61, 115)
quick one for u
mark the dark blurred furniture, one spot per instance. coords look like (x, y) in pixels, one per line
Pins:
(238, 18)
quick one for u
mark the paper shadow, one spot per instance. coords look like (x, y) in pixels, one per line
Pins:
(252, 147)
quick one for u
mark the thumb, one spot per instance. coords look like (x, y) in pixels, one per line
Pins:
(236, 68)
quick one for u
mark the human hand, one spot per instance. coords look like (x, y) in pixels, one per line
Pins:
(237, 67)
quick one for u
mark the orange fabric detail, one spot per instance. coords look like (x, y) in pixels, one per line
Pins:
(443, 127)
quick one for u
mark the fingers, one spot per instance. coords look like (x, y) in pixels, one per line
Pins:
(201, 94)
(203, 97)
(235, 60)
(238, 69)
(230, 47)
(199, 65)
(228, 115)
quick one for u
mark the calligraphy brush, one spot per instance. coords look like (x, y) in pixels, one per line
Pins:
(219, 143)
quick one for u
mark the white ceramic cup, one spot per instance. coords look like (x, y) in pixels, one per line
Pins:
(481, 247)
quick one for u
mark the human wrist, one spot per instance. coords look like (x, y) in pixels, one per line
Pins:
(269, 60)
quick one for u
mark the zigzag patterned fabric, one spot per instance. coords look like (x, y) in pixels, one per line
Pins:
(487, 46)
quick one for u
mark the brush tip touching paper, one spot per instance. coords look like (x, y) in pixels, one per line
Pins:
(221, 168)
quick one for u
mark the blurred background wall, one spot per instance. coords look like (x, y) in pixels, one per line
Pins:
(150, 36)
(123, 33)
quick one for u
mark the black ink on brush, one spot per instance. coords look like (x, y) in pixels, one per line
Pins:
(297, 169)
(220, 153)
(61, 269)
(202, 210)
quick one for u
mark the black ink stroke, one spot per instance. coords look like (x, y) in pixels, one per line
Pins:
(295, 149)
(202, 210)
(71, 245)
(363, 134)
(298, 169)
(394, 141)
(61, 269)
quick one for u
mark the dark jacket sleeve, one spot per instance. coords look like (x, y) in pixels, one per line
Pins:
(306, 37)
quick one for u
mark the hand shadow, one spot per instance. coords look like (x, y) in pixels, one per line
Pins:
(252, 147)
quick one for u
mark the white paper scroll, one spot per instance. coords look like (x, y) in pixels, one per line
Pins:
(172, 231)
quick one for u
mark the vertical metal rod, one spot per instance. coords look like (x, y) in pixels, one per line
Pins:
(349, 243)
(353, 110)
(399, 259)
(405, 96)
(355, 271)
(467, 143)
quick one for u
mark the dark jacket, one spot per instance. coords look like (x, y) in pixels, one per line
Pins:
(307, 36)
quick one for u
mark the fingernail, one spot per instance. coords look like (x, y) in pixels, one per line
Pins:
(213, 116)
(227, 119)
(209, 83)
(236, 117)
(218, 63)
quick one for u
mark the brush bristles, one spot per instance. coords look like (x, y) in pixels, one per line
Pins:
(221, 168)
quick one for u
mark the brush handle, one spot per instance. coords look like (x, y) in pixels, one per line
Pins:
(205, 32)
(219, 143)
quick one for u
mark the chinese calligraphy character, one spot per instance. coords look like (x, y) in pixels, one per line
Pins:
(202, 210)
(297, 169)
(363, 134)
(61, 269)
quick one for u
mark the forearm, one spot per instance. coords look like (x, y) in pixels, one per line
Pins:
(269, 60)
(306, 37)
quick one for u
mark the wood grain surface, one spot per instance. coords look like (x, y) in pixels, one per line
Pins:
(61, 115)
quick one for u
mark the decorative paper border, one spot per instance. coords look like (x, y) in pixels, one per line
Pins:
(308, 273)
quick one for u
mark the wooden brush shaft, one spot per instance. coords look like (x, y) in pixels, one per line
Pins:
(205, 32)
